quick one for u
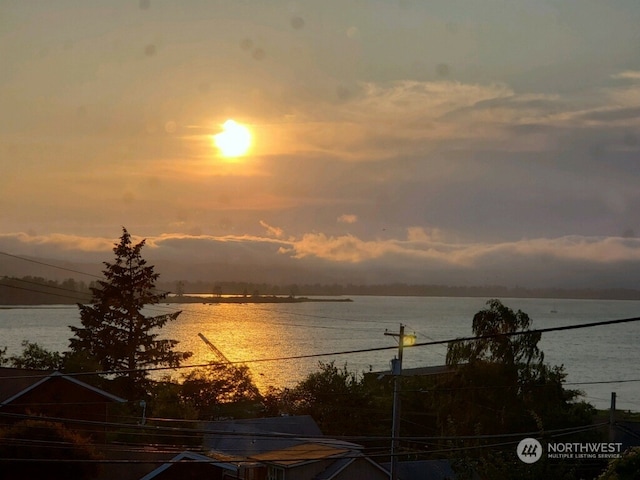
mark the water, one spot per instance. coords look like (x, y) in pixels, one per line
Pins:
(267, 335)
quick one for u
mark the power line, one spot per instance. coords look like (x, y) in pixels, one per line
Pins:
(73, 295)
(50, 265)
(43, 292)
(165, 431)
(355, 351)
(366, 350)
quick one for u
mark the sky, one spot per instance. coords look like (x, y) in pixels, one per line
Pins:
(490, 142)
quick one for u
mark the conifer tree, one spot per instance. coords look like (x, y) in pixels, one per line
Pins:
(114, 331)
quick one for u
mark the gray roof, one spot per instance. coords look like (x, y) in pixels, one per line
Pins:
(419, 371)
(250, 437)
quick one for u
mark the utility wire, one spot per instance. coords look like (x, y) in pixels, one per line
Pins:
(365, 350)
(248, 459)
(74, 295)
(49, 265)
(163, 430)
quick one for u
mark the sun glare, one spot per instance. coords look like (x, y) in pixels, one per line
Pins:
(234, 140)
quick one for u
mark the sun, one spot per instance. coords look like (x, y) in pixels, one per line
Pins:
(234, 140)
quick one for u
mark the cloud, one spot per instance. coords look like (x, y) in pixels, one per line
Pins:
(423, 255)
(627, 75)
(424, 246)
(387, 120)
(347, 218)
(55, 241)
(272, 231)
(609, 115)
(419, 244)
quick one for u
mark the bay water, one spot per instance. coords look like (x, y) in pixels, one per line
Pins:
(283, 342)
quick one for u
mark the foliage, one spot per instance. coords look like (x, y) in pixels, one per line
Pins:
(3, 356)
(213, 391)
(506, 383)
(626, 467)
(50, 444)
(511, 351)
(114, 330)
(502, 385)
(336, 398)
(36, 357)
(165, 400)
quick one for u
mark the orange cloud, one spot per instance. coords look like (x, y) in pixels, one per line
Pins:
(347, 218)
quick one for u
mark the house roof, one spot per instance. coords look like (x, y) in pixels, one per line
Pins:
(16, 382)
(341, 464)
(189, 456)
(301, 425)
(282, 441)
(335, 468)
(258, 435)
(301, 453)
(419, 371)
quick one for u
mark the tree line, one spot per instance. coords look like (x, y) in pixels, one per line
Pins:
(30, 290)
(395, 289)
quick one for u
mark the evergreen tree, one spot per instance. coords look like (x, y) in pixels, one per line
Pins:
(114, 331)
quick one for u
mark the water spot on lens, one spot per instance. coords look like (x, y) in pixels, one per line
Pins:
(443, 70)
(170, 126)
(246, 44)
(343, 92)
(630, 139)
(128, 197)
(297, 23)
(452, 27)
(258, 54)
(145, 4)
(150, 50)
(353, 32)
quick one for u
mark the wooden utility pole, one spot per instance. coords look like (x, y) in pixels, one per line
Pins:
(396, 371)
(612, 417)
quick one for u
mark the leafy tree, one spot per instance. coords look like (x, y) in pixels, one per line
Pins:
(3, 356)
(114, 330)
(505, 378)
(626, 467)
(50, 444)
(37, 358)
(166, 400)
(502, 385)
(336, 398)
(218, 389)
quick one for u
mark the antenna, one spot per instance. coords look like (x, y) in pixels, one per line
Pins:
(214, 349)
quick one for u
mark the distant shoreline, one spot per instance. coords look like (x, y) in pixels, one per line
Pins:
(249, 299)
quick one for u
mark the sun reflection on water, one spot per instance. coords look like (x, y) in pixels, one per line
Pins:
(244, 333)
